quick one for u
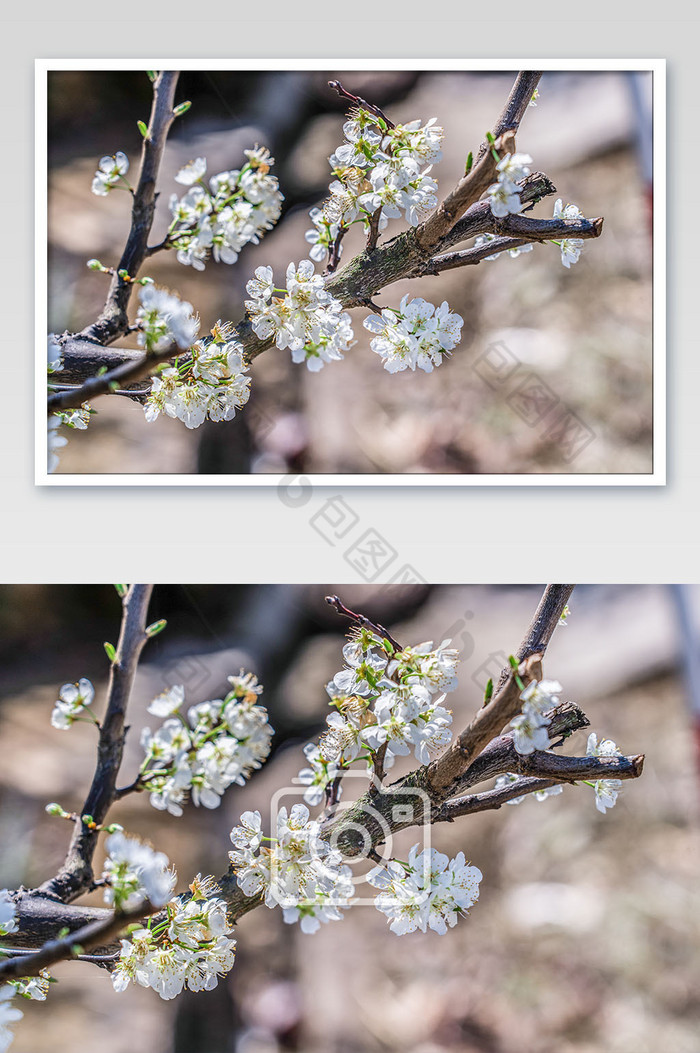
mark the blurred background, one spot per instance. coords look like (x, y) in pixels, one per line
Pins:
(586, 932)
(554, 371)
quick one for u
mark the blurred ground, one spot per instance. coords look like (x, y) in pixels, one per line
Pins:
(583, 337)
(585, 936)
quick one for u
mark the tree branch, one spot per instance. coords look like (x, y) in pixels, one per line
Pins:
(524, 232)
(123, 375)
(545, 769)
(515, 108)
(76, 875)
(113, 320)
(97, 933)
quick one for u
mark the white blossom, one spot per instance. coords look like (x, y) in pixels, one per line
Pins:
(110, 172)
(236, 208)
(134, 872)
(9, 1014)
(297, 871)
(192, 172)
(416, 335)
(168, 701)
(504, 199)
(380, 172)
(54, 354)
(529, 730)
(221, 743)
(431, 891)
(163, 317)
(8, 913)
(54, 442)
(211, 382)
(306, 319)
(72, 700)
(605, 790)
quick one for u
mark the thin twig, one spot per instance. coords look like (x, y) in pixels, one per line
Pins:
(364, 622)
(515, 108)
(357, 100)
(76, 875)
(113, 320)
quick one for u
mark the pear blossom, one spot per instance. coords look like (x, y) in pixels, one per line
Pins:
(570, 250)
(110, 171)
(72, 700)
(134, 872)
(529, 730)
(430, 891)
(416, 335)
(210, 383)
(297, 871)
(605, 790)
(54, 354)
(192, 172)
(168, 701)
(220, 743)
(504, 199)
(163, 318)
(381, 173)
(306, 319)
(217, 220)
(194, 950)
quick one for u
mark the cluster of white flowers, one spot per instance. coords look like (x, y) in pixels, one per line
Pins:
(210, 383)
(191, 948)
(236, 208)
(35, 988)
(306, 318)
(386, 699)
(378, 169)
(164, 318)
(430, 891)
(416, 334)
(509, 777)
(529, 728)
(220, 743)
(110, 172)
(8, 913)
(504, 195)
(134, 872)
(73, 699)
(606, 790)
(297, 871)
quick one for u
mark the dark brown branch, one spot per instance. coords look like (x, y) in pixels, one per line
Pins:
(515, 108)
(121, 377)
(113, 320)
(524, 232)
(544, 769)
(76, 875)
(360, 619)
(500, 756)
(97, 933)
(468, 191)
(545, 620)
(357, 100)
